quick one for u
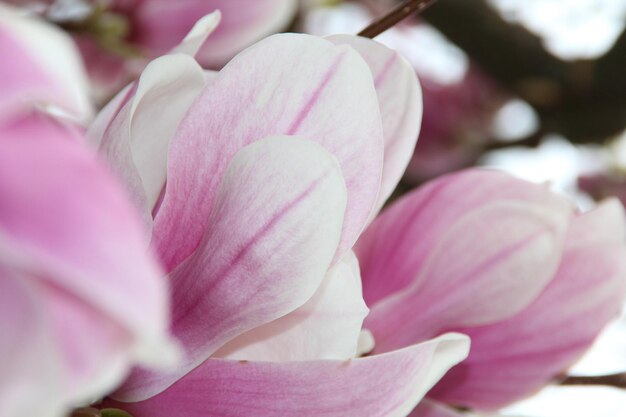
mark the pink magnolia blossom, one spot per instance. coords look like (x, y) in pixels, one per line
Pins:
(256, 181)
(81, 300)
(508, 263)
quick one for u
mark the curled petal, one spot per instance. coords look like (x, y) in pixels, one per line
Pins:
(269, 242)
(498, 248)
(326, 327)
(198, 34)
(388, 385)
(400, 98)
(136, 138)
(284, 85)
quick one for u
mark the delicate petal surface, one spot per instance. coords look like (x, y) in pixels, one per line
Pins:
(93, 349)
(27, 355)
(388, 385)
(136, 140)
(106, 115)
(400, 99)
(91, 298)
(40, 65)
(270, 240)
(468, 249)
(514, 358)
(286, 84)
(326, 327)
(165, 78)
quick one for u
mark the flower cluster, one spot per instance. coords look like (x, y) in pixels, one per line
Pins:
(210, 244)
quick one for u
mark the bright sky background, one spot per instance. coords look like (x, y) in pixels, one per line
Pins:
(571, 29)
(556, 161)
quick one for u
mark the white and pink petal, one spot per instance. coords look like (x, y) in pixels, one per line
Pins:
(400, 99)
(288, 84)
(269, 242)
(499, 247)
(328, 326)
(388, 385)
(136, 136)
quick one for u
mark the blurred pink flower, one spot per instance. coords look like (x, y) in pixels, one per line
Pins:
(256, 182)
(604, 184)
(156, 26)
(81, 300)
(456, 126)
(504, 261)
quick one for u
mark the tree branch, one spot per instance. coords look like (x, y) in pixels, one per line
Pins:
(396, 15)
(612, 380)
(583, 100)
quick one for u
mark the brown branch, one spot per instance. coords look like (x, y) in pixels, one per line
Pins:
(612, 380)
(399, 13)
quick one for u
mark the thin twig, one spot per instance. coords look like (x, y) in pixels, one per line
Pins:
(612, 380)
(401, 12)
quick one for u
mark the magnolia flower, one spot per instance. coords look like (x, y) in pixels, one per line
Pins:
(81, 299)
(508, 263)
(256, 181)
